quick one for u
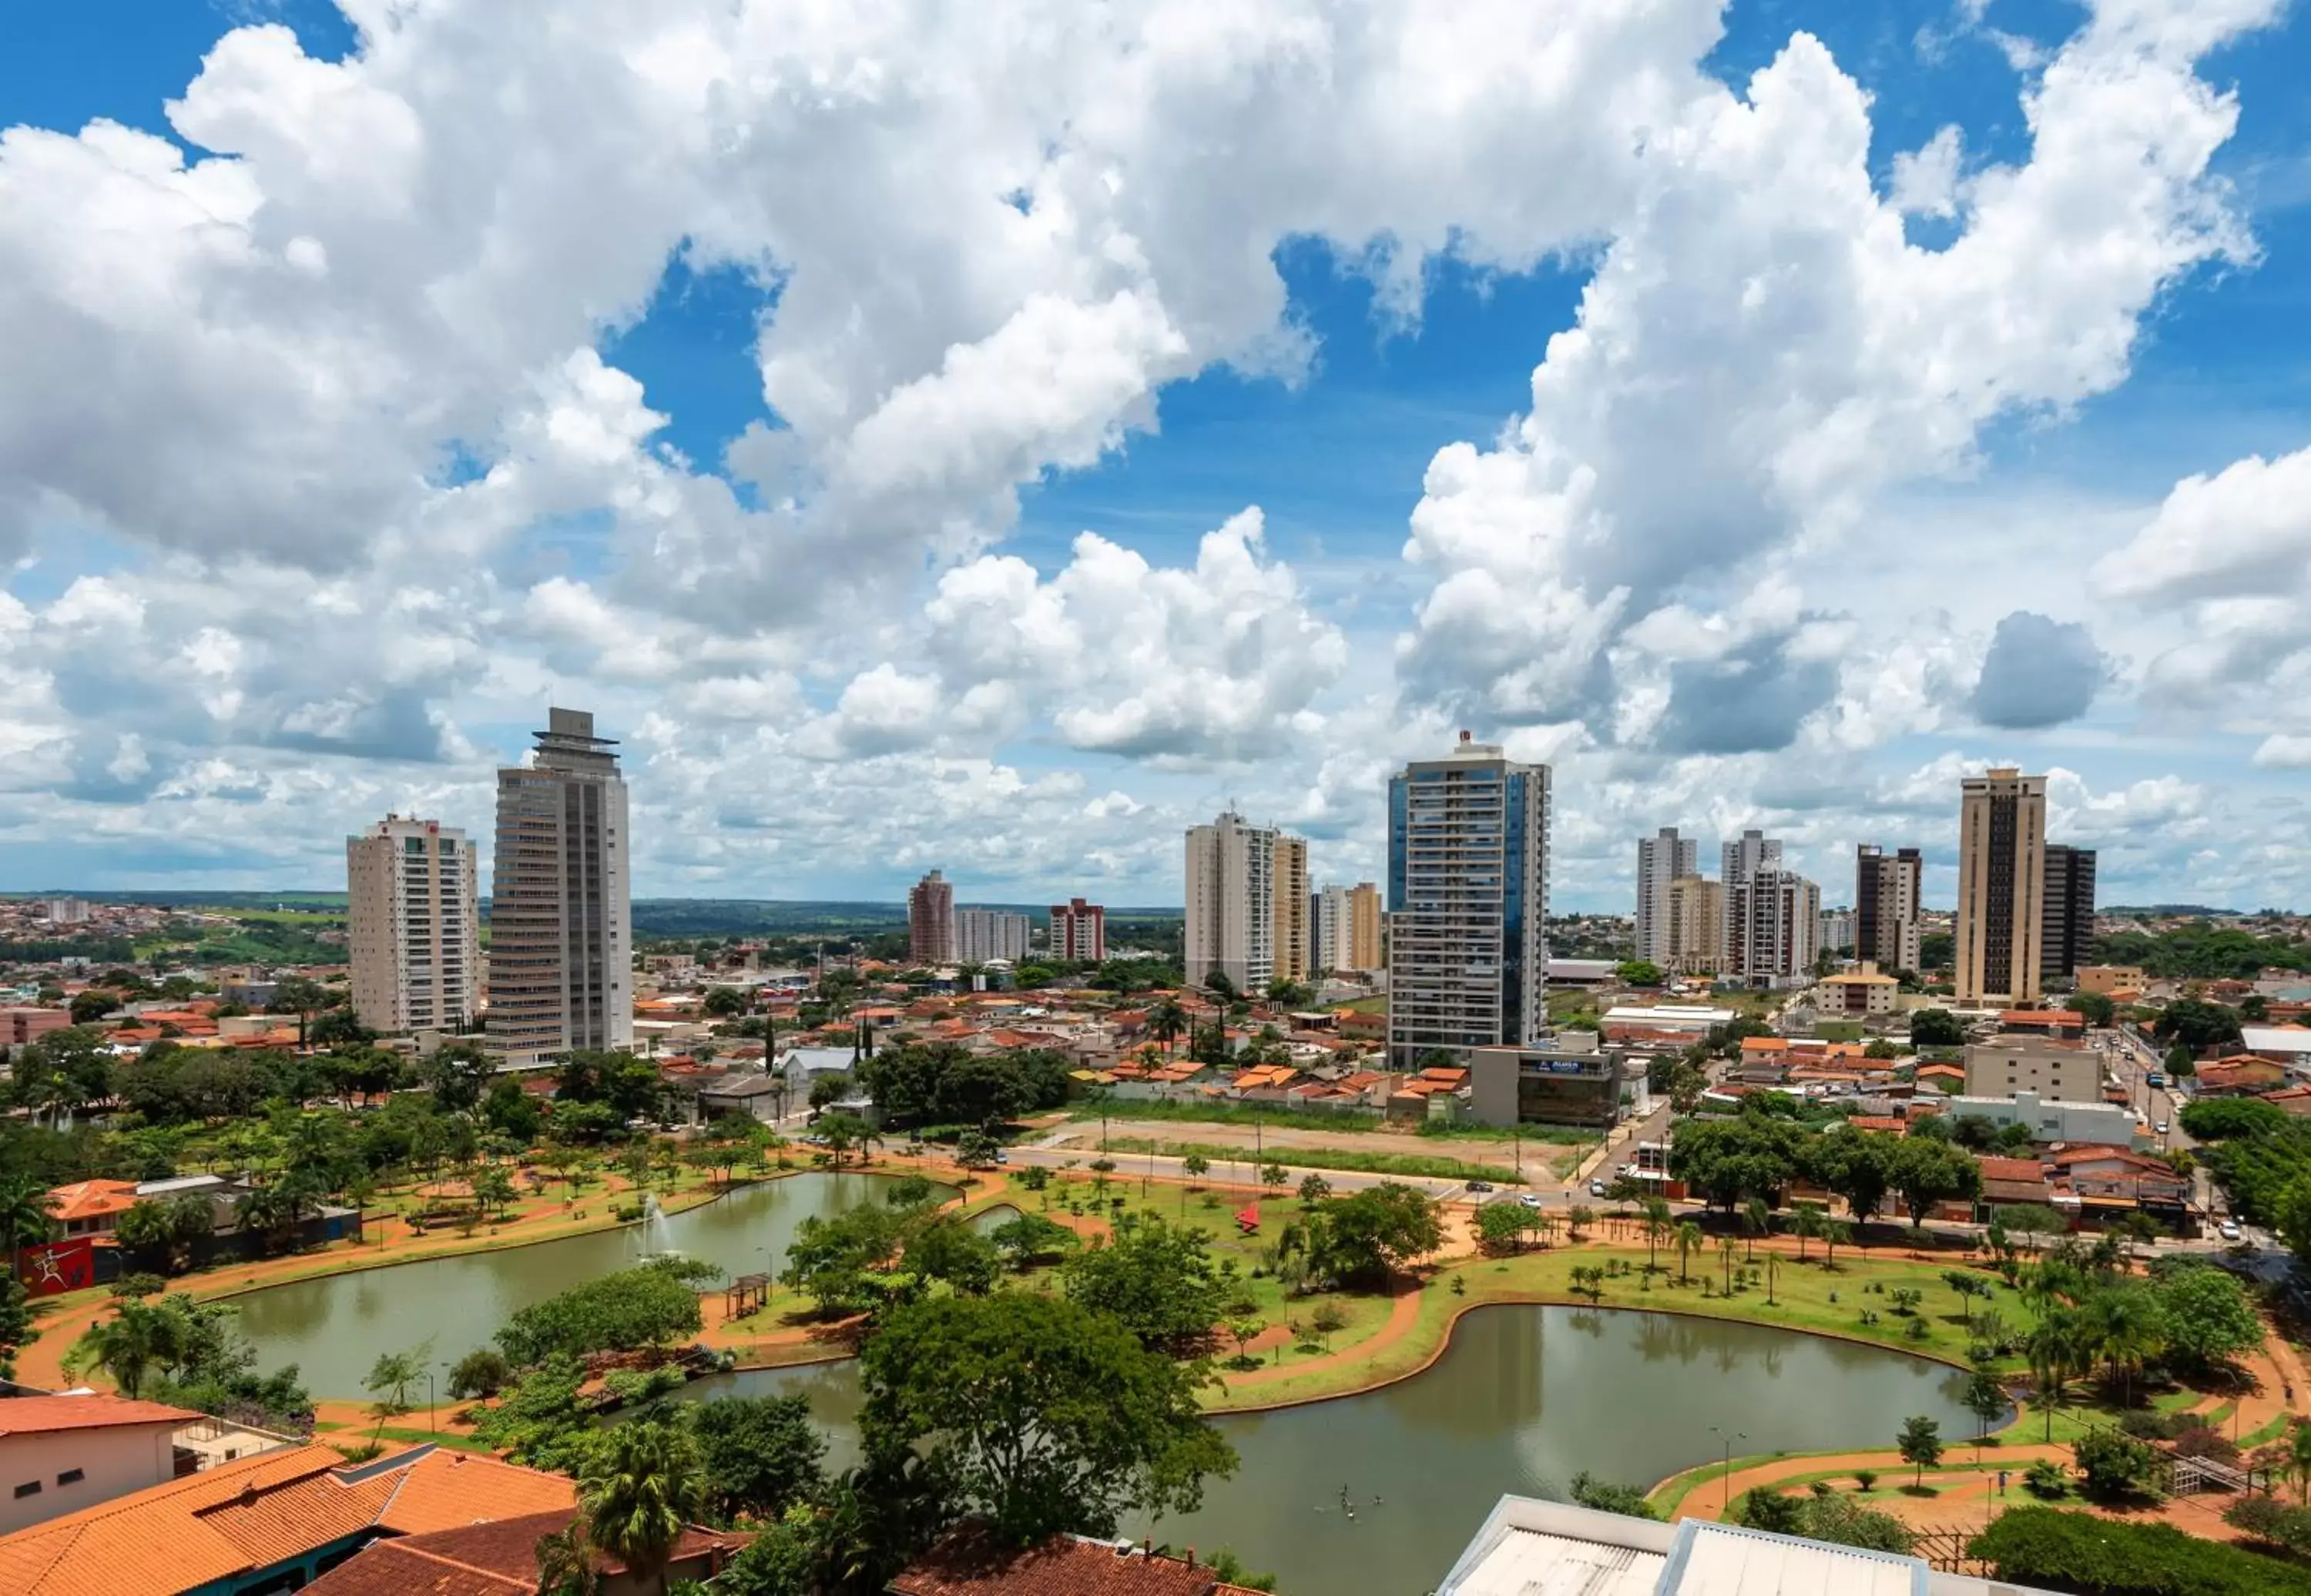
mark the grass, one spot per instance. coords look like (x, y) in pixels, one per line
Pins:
(1287, 1118)
(1415, 1166)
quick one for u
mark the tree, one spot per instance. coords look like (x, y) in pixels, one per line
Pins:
(390, 1377)
(1756, 1220)
(2222, 1118)
(25, 1206)
(641, 1486)
(1936, 1027)
(1658, 1224)
(2189, 1023)
(844, 1131)
(1589, 1491)
(1156, 1278)
(1638, 972)
(758, 1455)
(621, 1311)
(482, 1373)
(975, 1149)
(1314, 1188)
(2113, 1465)
(1985, 1398)
(1920, 1442)
(1357, 1240)
(1031, 1239)
(1048, 1417)
(457, 1072)
(567, 1563)
(1272, 1176)
(1927, 1172)
(1688, 1240)
(2208, 1316)
(723, 1003)
(1500, 1228)
(1195, 1166)
(2093, 1007)
(944, 1248)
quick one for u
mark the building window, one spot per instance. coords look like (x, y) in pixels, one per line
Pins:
(30, 1488)
(71, 1477)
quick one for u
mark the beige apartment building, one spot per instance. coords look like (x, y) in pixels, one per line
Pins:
(413, 923)
(1662, 861)
(2000, 887)
(1889, 902)
(562, 946)
(1696, 932)
(2057, 1071)
(1247, 904)
(1295, 926)
(1348, 929)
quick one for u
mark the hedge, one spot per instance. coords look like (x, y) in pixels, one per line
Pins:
(2080, 1553)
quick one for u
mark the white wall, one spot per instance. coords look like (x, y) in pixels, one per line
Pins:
(113, 1461)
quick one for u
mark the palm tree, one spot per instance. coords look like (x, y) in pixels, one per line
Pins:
(2052, 1350)
(566, 1563)
(1726, 1247)
(1758, 1219)
(637, 1491)
(1806, 1224)
(1658, 1224)
(1688, 1239)
(1834, 1231)
(2298, 1458)
(1168, 1019)
(24, 1207)
(2124, 1325)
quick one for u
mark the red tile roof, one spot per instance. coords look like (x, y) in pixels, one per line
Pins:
(963, 1566)
(40, 1416)
(2041, 1017)
(495, 1558)
(89, 1200)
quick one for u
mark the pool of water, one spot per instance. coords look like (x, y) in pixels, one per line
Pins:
(333, 1329)
(1524, 1399)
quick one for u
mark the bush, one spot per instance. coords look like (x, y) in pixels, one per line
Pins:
(1770, 1510)
(2048, 1480)
(2077, 1552)
(2148, 1424)
(1589, 1491)
(1865, 1479)
(2273, 1522)
(2115, 1465)
(481, 1373)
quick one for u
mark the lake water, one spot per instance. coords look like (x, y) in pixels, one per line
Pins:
(1524, 1399)
(333, 1329)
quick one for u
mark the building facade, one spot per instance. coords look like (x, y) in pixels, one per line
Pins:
(1078, 931)
(931, 921)
(984, 934)
(1888, 904)
(1242, 922)
(1772, 917)
(1738, 861)
(1544, 1086)
(1834, 930)
(561, 964)
(1468, 904)
(1697, 926)
(412, 925)
(1348, 929)
(1661, 861)
(2000, 887)
(2057, 1071)
(2066, 928)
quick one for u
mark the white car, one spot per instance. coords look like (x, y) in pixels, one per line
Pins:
(1530, 1199)
(2160, 1127)
(2230, 1230)
(1596, 1188)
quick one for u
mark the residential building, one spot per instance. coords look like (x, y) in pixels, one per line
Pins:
(2110, 1123)
(1527, 1546)
(67, 911)
(1833, 931)
(1468, 902)
(1738, 861)
(1242, 920)
(1079, 932)
(2057, 1071)
(20, 1024)
(1296, 929)
(931, 921)
(1697, 926)
(967, 1563)
(1887, 906)
(1545, 1086)
(2282, 1044)
(413, 927)
(272, 1522)
(981, 935)
(1348, 929)
(500, 1558)
(1771, 917)
(1661, 860)
(2000, 887)
(2109, 979)
(1862, 991)
(59, 1454)
(2066, 935)
(562, 946)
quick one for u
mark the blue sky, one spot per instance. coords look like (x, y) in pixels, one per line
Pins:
(919, 473)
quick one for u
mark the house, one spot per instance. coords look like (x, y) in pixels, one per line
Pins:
(967, 1563)
(753, 1096)
(1527, 1546)
(274, 1522)
(88, 1208)
(1858, 991)
(2008, 1181)
(62, 1453)
(2242, 1075)
(1943, 1077)
(2064, 1023)
(2281, 1044)
(500, 1558)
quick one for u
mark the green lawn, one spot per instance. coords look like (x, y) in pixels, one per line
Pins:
(1494, 1164)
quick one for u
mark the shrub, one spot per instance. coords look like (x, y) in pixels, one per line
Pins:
(1865, 1479)
(2077, 1552)
(481, 1373)
(1589, 1491)
(2115, 1465)
(2047, 1478)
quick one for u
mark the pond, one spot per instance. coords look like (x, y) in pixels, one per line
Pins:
(1524, 1399)
(333, 1329)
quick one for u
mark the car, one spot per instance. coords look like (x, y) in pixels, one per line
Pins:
(2160, 1127)
(2155, 1079)
(1530, 1199)
(2230, 1230)
(1596, 1188)
(1480, 1185)
(1002, 1157)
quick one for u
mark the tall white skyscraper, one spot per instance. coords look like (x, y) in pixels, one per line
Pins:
(1468, 902)
(1737, 862)
(560, 907)
(412, 921)
(1775, 915)
(984, 934)
(1661, 860)
(1234, 924)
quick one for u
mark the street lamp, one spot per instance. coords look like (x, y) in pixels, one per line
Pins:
(430, 1422)
(1725, 1480)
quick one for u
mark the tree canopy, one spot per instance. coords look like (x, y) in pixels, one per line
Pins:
(621, 1311)
(1155, 1278)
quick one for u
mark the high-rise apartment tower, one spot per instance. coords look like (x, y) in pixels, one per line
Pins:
(1661, 860)
(2066, 939)
(1887, 904)
(1348, 929)
(1078, 931)
(1468, 900)
(1247, 898)
(561, 970)
(2002, 881)
(413, 923)
(931, 921)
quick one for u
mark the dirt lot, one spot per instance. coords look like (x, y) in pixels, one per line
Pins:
(1538, 1156)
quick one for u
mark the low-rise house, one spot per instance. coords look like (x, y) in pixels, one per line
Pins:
(2242, 1075)
(62, 1453)
(500, 1558)
(2011, 1182)
(2061, 1023)
(88, 1208)
(2289, 1045)
(967, 1563)
(1859, 992)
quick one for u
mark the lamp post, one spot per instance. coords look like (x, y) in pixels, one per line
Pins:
(1725, 1480)
(430, 1421)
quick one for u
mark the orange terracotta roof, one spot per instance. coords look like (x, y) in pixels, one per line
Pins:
(965, 1565)
(1878, 1122)
(2041, 1017)
(89, 1200)
(493, 1559)
(1764, 1045)
(42, 1416)
(246, 1515)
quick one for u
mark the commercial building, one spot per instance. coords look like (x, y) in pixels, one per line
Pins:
(2108, 1123)
(1697, 926)
(1295, 926)
(1468, 903)
(931, 921)
(2066, 934)
(1888, 906)
(1661, 860)
(2057, 1071)
(1545, 1086)
(1079, 932)
(1348, 929)
(1771, 917)
(1247, 904)
(1862, 990)
(414, 929)
(2001, 884)
(560, 963)
(981, 935)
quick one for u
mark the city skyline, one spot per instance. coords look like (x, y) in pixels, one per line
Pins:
(1159, 505)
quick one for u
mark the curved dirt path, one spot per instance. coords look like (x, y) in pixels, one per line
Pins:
(1403, 1313)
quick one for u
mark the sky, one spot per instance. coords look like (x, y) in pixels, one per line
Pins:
(997, 438)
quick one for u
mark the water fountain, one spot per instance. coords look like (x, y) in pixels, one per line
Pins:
(656, 1235)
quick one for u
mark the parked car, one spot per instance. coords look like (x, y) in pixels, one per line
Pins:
(2230, 1230)
(1480, 1185)
(2160, 1127)
(2156, 1080)
(1597, 1186)
(1530, 1199)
